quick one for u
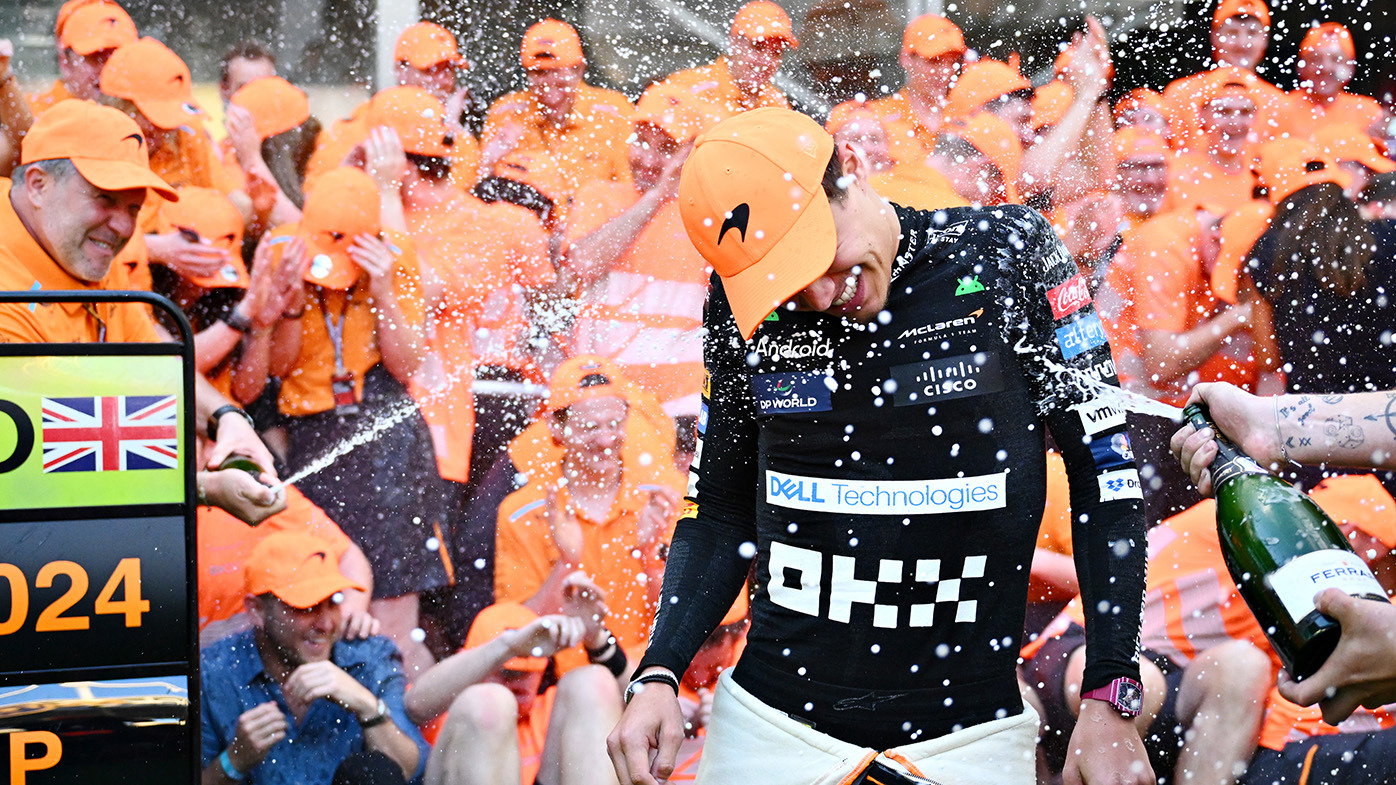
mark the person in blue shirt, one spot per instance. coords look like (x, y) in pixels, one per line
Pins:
(289, 701)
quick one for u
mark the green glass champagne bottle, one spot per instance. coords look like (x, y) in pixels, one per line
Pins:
(241, 462)
(1281, 550)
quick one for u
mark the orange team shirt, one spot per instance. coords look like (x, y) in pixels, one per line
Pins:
(910, 140)
(25, 266)
(646, 314)
(525, 555)
(306, 389)
(917, 185)
(714, 83)
(1193, 179)
(1311, 115)
(225, 542)
(42, 102)
(590, 145)
(1274, 114)
(1171, 293)
(485, 255)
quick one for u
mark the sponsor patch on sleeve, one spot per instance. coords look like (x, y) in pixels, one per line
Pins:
(1112, 452)
(1122, 484)
(690, 510)
(1098, 415)
(944, 378)
(1069, 297)
(1081, 336)
(790, 393)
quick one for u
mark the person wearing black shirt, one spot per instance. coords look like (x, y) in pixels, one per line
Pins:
(881, 382)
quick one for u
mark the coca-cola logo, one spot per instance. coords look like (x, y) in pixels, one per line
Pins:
(791, 349)
(1069, 297)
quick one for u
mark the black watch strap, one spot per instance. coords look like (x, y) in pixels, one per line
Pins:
(237, 321)
(218, 415)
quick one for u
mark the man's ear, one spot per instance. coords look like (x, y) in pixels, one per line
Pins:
(37, 185)
(253, 604)
(853, 161)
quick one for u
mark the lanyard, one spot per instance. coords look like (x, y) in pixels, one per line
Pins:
(335, 329)
(101, 323)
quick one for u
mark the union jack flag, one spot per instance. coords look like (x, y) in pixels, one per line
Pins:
(110, 433)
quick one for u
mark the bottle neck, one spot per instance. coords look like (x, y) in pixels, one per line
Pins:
(1230, 461)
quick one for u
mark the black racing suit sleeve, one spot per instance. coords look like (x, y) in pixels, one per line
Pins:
(711, 551)
(1108, 536)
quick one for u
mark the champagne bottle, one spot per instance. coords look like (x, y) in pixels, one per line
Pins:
(241, 462)
(1282, 549)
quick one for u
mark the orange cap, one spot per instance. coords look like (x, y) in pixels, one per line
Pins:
(342, 205)
(932, 35)
(1229, 8)
(762, 20)
(994, 137)
(1050, 102)
(218, 223)
(1361, 500)
(552, 44)
(96, 27)
(155, 79)
(1286, 165)
(276, 105)
(424, 45)
(850, 112)
(979, 83)
(676, 112)
(1329, 32)
(105, 146)
(535, 169)
(502, 617)
(585, 377)
(66, 11)
(1132, 141)
(1349, 142)
(752, 203)
(417, 116)
(296, 567)
(1240, 228)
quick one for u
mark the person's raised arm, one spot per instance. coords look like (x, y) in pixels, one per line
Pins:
(400, 339)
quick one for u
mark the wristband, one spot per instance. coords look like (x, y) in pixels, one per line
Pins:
(218, 415)
(653, 676)
(377, 719)
(237, 321)
(229, 770)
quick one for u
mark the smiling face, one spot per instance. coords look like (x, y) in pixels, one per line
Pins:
(555, 89)
(81, 226)
(1326, 69)
(1239, 41)
(295, 636)
(592, 432)
(1143, 181)
(754, 63)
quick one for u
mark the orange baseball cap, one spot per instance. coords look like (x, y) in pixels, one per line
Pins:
(1050, 102)
(1361, 500)
(1229, 8)
(552, 44)
(297, 568)
(1133, 140)
(932, 35)
(994, 137)
(96, 27)
(425, 44)
(499, 618)
(979, 83)
(105, 146)
(276, 105)
(342, 205)
(751, 199)
(155, 79)
(676, 112)
(537, 170)
(1240, 229)
(762, 20)
(585, 377)
(1349, 142)
(850, 112)
(417, 116)
(1284, 166)
(218, 223)
(1329, 32)
(66, 11)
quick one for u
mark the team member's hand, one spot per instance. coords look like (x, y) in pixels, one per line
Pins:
(565, 530)
(241, 495)
(323, 679)
(669, 177)
(372, 254)
(1361, 671)
(582, 599)
(263, 190)
(189, 259)
(1246, 419)
(1106, 749)
(262, 303)
(545, 636)
(235, 436)
(290, 272)
(258, 730)
(384, 159)
(705, 708)
(645, 743)
(656, 518)
(359, 625)
(242, 132)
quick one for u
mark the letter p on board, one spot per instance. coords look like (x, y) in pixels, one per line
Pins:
(20, 765)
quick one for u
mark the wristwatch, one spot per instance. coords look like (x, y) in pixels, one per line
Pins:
(1125, 694)
(218, 415)
(380, 716)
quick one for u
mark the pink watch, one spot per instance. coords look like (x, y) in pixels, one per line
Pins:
(1126, 695)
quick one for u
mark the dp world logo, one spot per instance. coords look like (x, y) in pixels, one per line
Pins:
(791, 393)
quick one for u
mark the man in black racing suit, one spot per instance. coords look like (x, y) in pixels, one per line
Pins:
(874, 437)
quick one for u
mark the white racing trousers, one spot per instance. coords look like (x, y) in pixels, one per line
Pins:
(749, 741)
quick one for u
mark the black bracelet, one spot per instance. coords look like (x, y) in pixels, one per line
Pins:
(612, 656)
(218, 415)
(237, 321)
(653, 676)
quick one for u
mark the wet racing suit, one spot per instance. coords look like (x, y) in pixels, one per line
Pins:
(889, 480)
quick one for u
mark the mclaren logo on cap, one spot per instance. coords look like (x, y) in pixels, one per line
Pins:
(736, 219)
(140, 140)
(321, 555)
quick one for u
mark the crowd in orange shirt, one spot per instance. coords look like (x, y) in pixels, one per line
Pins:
(517, 316)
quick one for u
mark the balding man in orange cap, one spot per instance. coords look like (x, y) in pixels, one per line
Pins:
(761, 34)
(932, 50)
(1327, 62)
(1240, 30)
